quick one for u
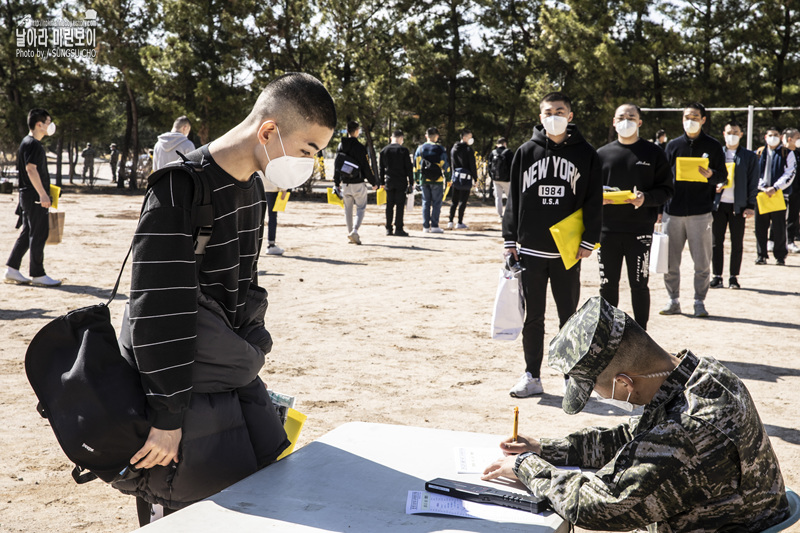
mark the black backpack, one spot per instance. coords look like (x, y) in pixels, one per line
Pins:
(499, 167)
(87, 389)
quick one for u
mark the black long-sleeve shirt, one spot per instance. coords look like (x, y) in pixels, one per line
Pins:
(463, 156)
(396, 172)
(692, 197)
(358, 153)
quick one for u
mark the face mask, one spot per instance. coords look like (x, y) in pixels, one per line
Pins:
(287, 172)
(51, 129)
(555, 125)
(731, 140)
(773, 140)
(691, 126)
(470, 142)
(626, 128)
(624, 405)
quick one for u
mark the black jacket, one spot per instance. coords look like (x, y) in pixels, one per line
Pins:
(745, 181)
(691, 197)
(463, 156)
(358, 153)
(501, 157)
(549, 182)
(642, 165)
(395, 171)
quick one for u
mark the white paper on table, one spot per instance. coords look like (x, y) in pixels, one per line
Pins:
(420, 501)
(475, 460)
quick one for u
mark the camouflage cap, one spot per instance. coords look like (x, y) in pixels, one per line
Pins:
(584, 347)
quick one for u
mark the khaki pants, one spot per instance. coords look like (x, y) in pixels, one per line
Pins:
(354, 193)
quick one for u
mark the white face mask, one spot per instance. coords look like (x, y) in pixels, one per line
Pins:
(691, 126)
(287, 172)
(51, 129)
(471, 141)
(731, 140)
(625, 405)
(555, 125)
(773, 140)
(626, 128)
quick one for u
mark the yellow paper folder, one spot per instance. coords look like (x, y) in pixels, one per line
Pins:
(567, 235)
(618, 197)
(446, 190)
(333, 199)
(281, 201)
(686, 169)
(55, 192)
(767, 204)
(293, 425)
(731, 167)
(380, 196)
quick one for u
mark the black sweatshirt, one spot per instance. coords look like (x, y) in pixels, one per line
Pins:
(642, 165)
(358, 153)
(691, 197)
(463, 156)
(549, 182)
(396, 172)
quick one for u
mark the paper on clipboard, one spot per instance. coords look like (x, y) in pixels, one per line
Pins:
(567, 235)
(686, 169)
(768, 204)
(731, 167)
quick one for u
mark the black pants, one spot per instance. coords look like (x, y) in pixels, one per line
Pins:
(724, 217)
(35, 227)
(635, 249)
(272, 216)
(113, 172)
(566, 288)
(459, 201)
(793, 215)
(395, 206)
(777, 221)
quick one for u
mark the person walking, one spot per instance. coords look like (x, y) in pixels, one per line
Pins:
(351, 168)
(777, 166)
(88, 155)
(113, 161)
(500, 171)
(430, 168)
(396, 176)
(465, 173)
(733, 205)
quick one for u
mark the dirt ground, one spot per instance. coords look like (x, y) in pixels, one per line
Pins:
(394, 331)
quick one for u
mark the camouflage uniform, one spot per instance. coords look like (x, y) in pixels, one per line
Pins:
(698, 459)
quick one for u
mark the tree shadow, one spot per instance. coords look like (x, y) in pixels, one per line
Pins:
(14, 314)
(400, 247)
(324, 260)
(790, 435)
(87, 290)
(760, 372)
(751, 321)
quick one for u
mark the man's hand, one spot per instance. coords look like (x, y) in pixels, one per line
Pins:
(583, 253)
(523, 444)
(705, 172)
(770, 191)
(161, 448)
(44, 199)
(501, 468)
(606, 201)
(638, 201)
(512, 252)
(748, 213)
(375, 187)
(658, 218)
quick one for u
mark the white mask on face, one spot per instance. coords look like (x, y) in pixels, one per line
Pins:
(731, 140)
(51, 129)
(287, 172)
(773, 140)
(625, 405)
(555, 125)
(691, 126)
(470, 141)
(626, 128)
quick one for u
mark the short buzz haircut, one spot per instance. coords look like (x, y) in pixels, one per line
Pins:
(181, 122)
(37, 115)
(773, 128)
(352, 127)
(433, 130)
(502, 140)
(397, 133)
(557, 97)
(733, 123)
(295, 98)
(466, 131)
(697, 105)
(631, 104)
(790, 132)
(659, 133)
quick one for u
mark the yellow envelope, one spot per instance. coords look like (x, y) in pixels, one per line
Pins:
(55, 192)
(567, 235)
(292, 426)
(768, 204)
(618, 197)
(446, 190)
(333, 199)
(686, 169)
(281, 201)
(731, 167)
(380, 195)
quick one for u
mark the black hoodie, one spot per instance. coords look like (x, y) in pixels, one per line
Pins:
(549, 182)
(691, 197)
(358, 153)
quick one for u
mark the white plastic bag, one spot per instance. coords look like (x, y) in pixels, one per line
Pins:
(659, 252)
(410, 201)
(509, 308)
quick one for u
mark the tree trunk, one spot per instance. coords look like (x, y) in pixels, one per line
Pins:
(71, 166)
(59, 158)
(134, 116)
(122, 174)
(452, 79)
(373, 160)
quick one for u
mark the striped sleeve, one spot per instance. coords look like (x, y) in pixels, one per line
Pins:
(163, 299)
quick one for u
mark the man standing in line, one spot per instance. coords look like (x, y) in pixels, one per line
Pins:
(396, 176)
(790, 138)
(500, 168)
(350, 171)
(733, 204)
(34, 203)
(687, 216)
(88, 163)
(172, 142)
(776, 174)
(633, 164)
(465, 173)
(430, 167)
(553, 175)
(113, 161)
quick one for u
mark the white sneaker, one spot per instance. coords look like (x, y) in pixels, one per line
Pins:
(437, 230)
(461, 226)
(15, 276)
(792, 247)
(526, 386)
(770, 246)
(426, 230)
(354, 238)
(45, 281)
(273, 249)
(450, 225)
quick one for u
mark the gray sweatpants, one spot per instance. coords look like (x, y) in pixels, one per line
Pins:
(697, 230)
(354, 193)
(500, 188)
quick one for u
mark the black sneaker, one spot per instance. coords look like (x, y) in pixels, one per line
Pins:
(401, 233)
(733, 283)
(780, 262)
(716, 282)
(389, 231)
(761, 261)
